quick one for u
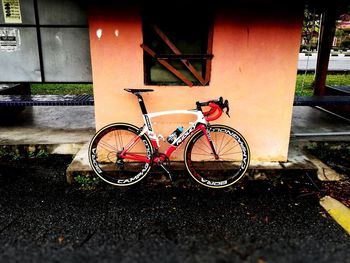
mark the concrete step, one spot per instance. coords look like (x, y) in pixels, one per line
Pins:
(80, 164)
(299, 161)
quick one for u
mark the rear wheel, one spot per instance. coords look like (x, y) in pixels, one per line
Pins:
(105, 154)
(231, 163)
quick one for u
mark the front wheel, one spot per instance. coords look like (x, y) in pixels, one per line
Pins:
(230, 164)
(106, 159)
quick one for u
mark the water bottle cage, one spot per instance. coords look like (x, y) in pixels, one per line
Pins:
(172, 137)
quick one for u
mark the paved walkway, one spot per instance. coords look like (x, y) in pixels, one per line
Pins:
(319, 125)
(49, 125)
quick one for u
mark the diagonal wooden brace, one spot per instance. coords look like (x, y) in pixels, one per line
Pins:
(167, 65)
(178, 52)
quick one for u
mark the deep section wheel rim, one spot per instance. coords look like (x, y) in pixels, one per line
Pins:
(230, 164)
(105, 155)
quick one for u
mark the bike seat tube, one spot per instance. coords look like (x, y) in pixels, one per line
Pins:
(142, 103)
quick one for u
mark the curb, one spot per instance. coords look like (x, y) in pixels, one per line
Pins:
(339, 212)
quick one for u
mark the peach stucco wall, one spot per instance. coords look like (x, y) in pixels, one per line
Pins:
(254, 67)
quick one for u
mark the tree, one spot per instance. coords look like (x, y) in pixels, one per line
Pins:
(311, 27)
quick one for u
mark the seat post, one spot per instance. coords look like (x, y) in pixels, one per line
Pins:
(137, 93)
(142, 103)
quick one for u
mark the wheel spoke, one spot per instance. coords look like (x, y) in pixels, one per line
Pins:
(199, 148)
(222, 140)
(121, 140)
(233, 153)
(116, 140)
(231, 149)
(205, 144)
(106, 145)
(203, 154)
(231, 139)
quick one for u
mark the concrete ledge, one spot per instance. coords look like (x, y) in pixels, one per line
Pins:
(297, 162)
(80, 164)
(28, 149)
(298, 154)
(324, 172)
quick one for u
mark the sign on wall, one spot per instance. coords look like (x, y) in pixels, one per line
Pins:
(9, 39)
(12, 11)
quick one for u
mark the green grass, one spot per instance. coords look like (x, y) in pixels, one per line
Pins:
(304, 82)
(341, 79)
(303, 85)
(60, 89)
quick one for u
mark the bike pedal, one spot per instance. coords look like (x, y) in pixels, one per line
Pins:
(167, 171)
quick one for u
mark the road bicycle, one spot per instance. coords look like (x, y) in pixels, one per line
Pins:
(215, 155)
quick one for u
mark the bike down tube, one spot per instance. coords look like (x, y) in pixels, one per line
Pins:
(172, 148)
(202, 127)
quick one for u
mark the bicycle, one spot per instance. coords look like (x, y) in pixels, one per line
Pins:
(215, 155)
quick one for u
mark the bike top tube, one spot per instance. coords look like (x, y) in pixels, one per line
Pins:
(216, 106)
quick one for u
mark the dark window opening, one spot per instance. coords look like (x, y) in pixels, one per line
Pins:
(177, 44)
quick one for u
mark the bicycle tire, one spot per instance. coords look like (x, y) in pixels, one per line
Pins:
(103, 154)
(233, 161)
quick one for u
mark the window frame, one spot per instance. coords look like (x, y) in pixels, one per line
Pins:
(167, 59)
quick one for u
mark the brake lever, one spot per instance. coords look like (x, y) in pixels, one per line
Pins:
(226, 105)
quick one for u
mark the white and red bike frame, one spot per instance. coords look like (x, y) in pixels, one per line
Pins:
(201, 123)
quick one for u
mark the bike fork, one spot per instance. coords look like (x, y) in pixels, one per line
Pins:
(208, 136)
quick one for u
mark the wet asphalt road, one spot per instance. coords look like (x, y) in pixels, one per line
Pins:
(42, 219)
(337, 63)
